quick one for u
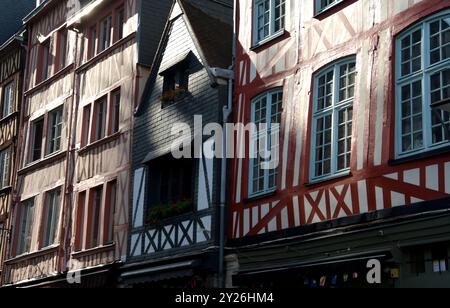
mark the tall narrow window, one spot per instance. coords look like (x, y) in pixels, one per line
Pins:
(100, 118)
(322, 5)
(96, 207)
(92, 41)
(120, 23)
(269, 18)
(115, 111)
(105, 33)
(5, 158)
(25, 227)
(86, 125)
(423, 79)
(62, 49)
(266, 109)
(8, 99)
(110, 205)
(333, 120)
(36, 136)
(440, 259)
(79, 228)
(54, 131)
(45, 61)
(51, 218)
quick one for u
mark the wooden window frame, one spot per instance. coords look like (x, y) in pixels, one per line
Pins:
(12, 99)
(54, 220)
(273, 32)
(5, 172)
(27, 243)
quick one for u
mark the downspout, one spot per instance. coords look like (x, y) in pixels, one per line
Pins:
(227, 111)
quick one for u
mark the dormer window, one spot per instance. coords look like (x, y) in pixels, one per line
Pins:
(176, 82)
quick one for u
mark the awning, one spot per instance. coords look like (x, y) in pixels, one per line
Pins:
(174, 62)
(293, 268)
(162, 272)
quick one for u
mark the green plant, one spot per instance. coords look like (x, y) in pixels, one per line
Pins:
(164, 211)
(172, 95)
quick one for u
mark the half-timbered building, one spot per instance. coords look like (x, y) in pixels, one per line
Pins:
(84, 74)
(359, 89)
(174, 224)
(11, 82)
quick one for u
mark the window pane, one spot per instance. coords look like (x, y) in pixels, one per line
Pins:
(52, 217)
(100, 119)
(54, 130)
(37, 134)
(8, 99)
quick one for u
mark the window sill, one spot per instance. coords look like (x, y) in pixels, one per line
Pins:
(49, 80)
(41, 163)
(261, 196)
(329, 178)
(31, 255)
(268, 40)
(99, 143)
(91, 251)
(422, 155)
(8, 117)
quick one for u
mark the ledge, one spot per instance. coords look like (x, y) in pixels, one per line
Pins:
(332, 9)
(261, 196)
(41, 163)
(91, 251)
(268, 40)
(50, 80)
(99, 143)
(92, 61)
(32, 255)
(5, 190)
(424, 155)
(330, 178)
(9, 117)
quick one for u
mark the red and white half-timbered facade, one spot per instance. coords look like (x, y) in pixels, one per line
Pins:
(351, 84)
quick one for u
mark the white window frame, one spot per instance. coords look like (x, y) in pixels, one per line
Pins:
(53, 200)
(5, 166)
(54, 125)
(320, 9)
(333, 110)
(24, 242)
(255, 135)
(272, 32)
(8, 99)
(423, 75)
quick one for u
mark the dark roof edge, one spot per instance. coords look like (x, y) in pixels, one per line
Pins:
(15, 37)
(34, 13)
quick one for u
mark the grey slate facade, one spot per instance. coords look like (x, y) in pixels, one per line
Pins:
(179, 241)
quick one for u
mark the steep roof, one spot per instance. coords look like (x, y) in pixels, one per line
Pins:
(214, 36)
(12, 13)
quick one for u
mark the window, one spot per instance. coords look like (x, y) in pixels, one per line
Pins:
(5, 158)
(79, 228)
(8, 99)
(440, 259)
(100, 119)
(333, 120)
(25, 227)
(105, 33)
(95, 211)
(269, 18)
(37, 134)
(86, 125)
(170, 180)
(266, 109)
(423, 79)
(176, 78)
(115, 112)
(110, 205)
(120, 23)
(54, 131)
(62, 49)
(51, 218)
(44, 65)
(92, 41)
(322, 5)
(417, 261)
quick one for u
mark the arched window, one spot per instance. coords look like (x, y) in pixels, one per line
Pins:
(266, 110)
(331, 140)
(422, 80)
